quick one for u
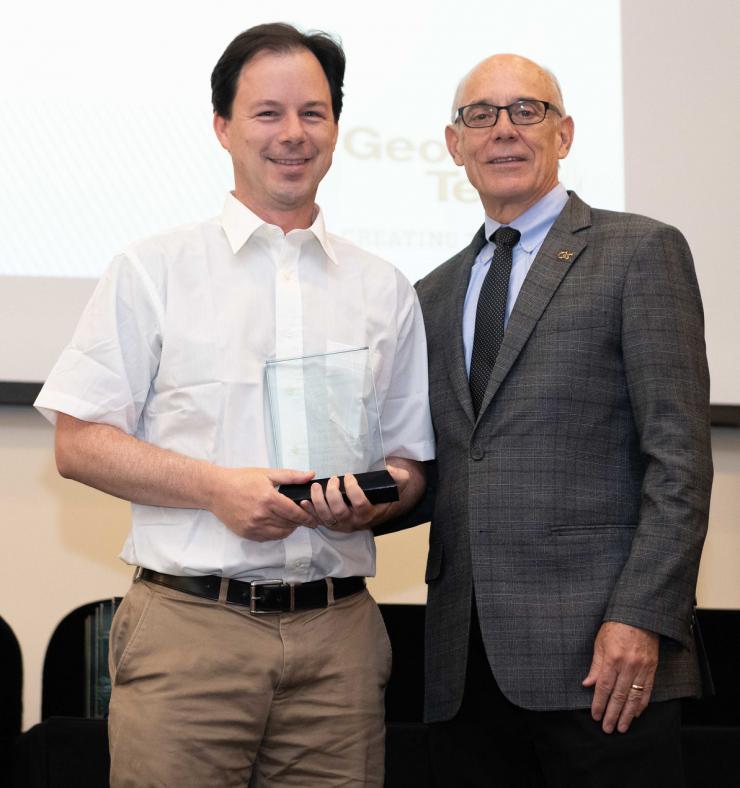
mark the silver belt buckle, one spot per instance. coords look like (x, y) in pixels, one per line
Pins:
(270, 584)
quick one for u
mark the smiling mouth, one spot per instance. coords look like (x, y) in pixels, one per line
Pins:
(290, 162)
(507, 160)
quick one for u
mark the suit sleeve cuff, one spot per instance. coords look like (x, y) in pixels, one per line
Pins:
(679, 630)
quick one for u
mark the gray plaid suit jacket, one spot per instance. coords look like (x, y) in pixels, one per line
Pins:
(581, 492)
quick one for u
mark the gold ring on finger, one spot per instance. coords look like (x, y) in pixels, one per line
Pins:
(638, 687)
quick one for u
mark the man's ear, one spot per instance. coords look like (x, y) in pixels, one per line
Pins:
(566, 131)
(221, 127)
(336, 136)
(453, 140)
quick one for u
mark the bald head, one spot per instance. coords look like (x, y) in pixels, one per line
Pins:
(511, 161)
(499, 64)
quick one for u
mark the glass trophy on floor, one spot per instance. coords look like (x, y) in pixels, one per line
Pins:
(324, 417)
(97, 677)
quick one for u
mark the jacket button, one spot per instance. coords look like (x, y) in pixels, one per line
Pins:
(476, 452)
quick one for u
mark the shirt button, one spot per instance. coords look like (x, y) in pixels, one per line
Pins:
(287, 276)
(299, 564)
(476, 452)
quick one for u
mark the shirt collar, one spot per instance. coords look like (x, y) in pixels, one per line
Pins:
(535, 222)
(240, 224)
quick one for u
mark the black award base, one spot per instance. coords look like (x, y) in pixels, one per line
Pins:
(378, 487)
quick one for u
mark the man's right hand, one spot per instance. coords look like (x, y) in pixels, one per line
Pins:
(247, 501)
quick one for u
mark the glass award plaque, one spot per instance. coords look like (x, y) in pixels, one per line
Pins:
(324, 417)
(97, 678)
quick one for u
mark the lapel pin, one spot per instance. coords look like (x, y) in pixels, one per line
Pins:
(565, 254)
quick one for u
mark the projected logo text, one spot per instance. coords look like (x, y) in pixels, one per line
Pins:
(367, 143)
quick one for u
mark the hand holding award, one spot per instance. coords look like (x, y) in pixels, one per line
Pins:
(324, 417)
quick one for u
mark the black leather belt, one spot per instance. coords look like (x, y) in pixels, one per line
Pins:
(260, 596)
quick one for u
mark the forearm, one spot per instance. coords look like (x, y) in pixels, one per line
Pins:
(656, 587)
(245, 500)
(108, 459)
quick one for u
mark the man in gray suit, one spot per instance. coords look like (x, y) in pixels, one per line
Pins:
(569, 393)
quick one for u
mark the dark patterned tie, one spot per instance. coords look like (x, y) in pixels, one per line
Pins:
(489, 317)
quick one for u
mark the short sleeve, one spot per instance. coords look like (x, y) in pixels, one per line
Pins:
(105, 372)
(406, 418)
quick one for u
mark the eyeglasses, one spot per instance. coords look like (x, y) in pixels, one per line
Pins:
(525, 112)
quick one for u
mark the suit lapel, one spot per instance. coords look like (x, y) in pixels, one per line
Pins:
(455, 349)
(558, 252)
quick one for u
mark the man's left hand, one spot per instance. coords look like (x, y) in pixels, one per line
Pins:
(622, 672)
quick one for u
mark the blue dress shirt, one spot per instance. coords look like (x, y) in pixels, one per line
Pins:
(534, 224)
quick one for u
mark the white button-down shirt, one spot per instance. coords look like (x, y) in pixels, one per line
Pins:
(172, 348)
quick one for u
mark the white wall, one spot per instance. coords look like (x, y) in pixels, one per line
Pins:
(719, 578)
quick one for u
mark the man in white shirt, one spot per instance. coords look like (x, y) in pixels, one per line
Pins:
(160, 399)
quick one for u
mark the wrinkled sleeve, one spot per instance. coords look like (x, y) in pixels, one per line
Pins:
(406, 419)
(105, 372)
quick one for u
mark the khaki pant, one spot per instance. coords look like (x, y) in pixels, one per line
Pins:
(207, 695)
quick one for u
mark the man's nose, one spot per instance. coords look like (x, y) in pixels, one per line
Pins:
(503, 126)
(292, 129)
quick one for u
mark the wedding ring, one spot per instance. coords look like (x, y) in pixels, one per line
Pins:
(638, 687)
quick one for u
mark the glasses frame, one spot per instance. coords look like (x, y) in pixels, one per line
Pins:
(547, 104)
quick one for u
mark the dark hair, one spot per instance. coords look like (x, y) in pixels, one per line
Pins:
(276, 37)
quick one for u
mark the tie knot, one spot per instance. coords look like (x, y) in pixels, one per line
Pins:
(506, 236)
